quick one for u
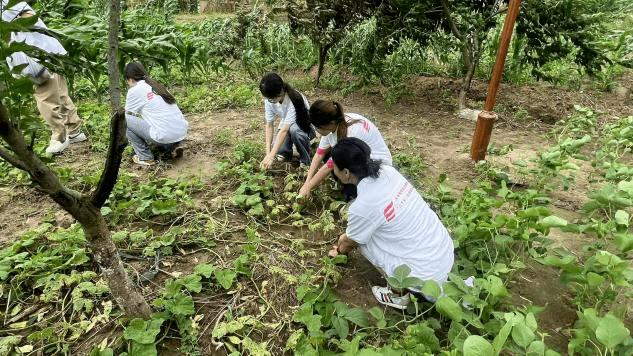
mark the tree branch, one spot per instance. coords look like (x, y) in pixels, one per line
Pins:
(14, 161)
(39, 172)
(118, 141)
(451, 23)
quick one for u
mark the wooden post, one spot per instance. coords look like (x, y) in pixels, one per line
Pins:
(486, 118)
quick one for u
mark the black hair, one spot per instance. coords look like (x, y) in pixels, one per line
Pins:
(354, 154)
(272, 85)
(137, 72)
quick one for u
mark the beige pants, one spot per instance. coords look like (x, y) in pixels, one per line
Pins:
(57, 109)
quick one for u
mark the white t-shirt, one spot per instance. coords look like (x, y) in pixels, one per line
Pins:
(166, 121)
(44, 42)
(285, 110)
(364, 130)
(393, 225)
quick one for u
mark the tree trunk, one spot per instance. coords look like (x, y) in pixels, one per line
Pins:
(107, 257)
(82, 208)
(470, 52)
(113, 49)
(323, 50)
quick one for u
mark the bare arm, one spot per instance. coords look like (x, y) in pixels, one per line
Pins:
(314, 166)
(344, 245)
(270, 155)
(316, 179)
(269, 136)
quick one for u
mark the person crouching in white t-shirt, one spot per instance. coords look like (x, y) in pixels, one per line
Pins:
(389, 221)
(152, 116)
(294, 127)
(333, 123)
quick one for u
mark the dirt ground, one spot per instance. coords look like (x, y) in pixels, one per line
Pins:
(425, 123)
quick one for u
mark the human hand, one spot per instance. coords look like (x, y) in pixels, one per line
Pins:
(267, 162)
(333, 252)
(305, 191)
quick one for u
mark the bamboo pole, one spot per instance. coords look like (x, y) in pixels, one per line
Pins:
(486, 118)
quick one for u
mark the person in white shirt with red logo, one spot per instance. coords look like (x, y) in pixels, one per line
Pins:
(152, 117)
(333, 123)
(390, 222)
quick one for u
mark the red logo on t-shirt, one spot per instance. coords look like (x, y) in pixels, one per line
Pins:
(150, 96)
(390, 212)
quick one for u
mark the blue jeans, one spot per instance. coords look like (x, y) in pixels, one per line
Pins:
(301, 140)
(137, 133)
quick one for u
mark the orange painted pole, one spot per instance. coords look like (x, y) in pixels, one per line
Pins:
(486, 118)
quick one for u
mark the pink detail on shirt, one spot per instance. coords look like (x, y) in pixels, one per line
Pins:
(390, 212)
(366, 126)
(320, 151)
(329, 163)
(150, 96)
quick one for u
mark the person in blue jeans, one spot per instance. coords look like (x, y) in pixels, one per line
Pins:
(294, 128)
(152, 117)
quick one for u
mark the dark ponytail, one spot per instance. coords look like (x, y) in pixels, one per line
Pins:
(354, 154)
(271, 86)
(303, 115)
(137, 72)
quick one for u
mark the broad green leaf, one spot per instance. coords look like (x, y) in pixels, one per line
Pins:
(611, 331)
(502, 336)
(622, 218)
(341, 326)
(476, 345)
(449, 308)
(205, 270)
(624, 241)
(626, 186)
(257, 210)
(530, 321)
(431, 288)
(495, 286)
(399, 276)
(192, 283)
(522, 335)
(143, 332)
(536, 348)
(357, 316)
(98, 352)
(594, 279)
(554, 221)
(138, 349)
(180, 304)
(225, 277)
(308, 318)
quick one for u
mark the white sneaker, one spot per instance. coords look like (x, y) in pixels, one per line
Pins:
(385, 296)
(281, 158)
(56, 147)
(78, 137)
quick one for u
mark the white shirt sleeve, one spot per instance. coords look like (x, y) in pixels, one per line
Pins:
(269, 111)
(291, 114)
(135, 99)
(360, 228)
(32, 69)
